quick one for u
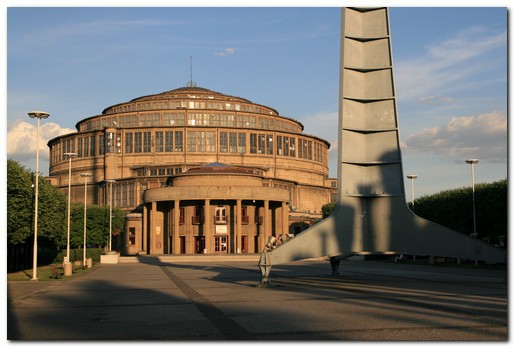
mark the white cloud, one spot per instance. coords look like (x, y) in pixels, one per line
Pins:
(21, 139)
(435, 99)
(483, 136)
(226, 52)
(465, 54)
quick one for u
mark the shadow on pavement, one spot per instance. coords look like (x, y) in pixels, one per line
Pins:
(153, 300)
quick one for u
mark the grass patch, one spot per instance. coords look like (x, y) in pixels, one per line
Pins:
(44, 273)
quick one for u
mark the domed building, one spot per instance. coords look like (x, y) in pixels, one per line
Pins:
(197, 171)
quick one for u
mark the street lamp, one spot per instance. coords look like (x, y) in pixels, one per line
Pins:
(67, 263)
(85, 175)
(473, 162)
(110, 215)
(412, 178)
(39, 115)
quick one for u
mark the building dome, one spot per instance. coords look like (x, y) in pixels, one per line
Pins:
(192, 136)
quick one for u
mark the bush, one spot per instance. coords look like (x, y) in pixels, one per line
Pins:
(77, 253)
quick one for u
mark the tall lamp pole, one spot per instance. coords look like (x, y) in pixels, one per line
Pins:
(412, 178)
(39, 115)
(110, 215)
(473, 162)
(67, 269)
(85, 175)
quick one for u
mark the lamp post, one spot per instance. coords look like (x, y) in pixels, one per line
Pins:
(412, 178)
(110, 215)
(85, 175)
(473, 162)
(39, 115)
(67, 263)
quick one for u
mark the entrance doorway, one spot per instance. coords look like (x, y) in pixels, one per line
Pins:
(220, 244)
(182, 245)
(199, 244)
(244, 248)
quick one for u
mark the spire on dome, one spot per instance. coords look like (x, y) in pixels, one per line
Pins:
(191, 83)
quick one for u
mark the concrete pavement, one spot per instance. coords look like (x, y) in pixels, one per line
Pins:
(199, 300)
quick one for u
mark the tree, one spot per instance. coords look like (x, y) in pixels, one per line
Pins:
(97, 224)
(327, 209)
(20, 208)
(53, 207)
(20, 197)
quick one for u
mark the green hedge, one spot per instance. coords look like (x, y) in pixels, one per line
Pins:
(77, 253)
(454, 209)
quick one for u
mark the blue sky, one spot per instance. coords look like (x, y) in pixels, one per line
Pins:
(451, 77)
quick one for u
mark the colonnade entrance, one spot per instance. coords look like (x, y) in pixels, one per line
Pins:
(212, 226)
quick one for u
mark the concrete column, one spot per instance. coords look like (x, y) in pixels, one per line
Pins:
(207, 227)
(266, 224)
(144, 245)
(285, 219)
(175, 240)
(152, 227)
(239, 227)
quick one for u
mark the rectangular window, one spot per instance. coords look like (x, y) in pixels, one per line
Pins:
(101, 142)
(86, 146)
(169, 141)
(223, 142)
(128, 143)
(292, 147)
(220, 215)
(118, 143)
(279, 145)
(215, 120)
(210, 141)
(191, 141)
(261, 144)
(244, 214)
(138, 142)
(159, 141)
(92, 146)
(79, 146)
(109, 142)
(253, 143)
(197, 215)
(117, 195)
(269, 144)
(201, 141)
(233, 142)
(241, 143)
(147, 142)
(179, 141)
(131, 195)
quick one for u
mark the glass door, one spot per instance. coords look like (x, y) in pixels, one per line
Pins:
(220, 244)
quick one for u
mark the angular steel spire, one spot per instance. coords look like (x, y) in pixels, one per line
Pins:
(371, 216)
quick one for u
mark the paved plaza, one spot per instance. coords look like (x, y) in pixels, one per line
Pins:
(199, 300)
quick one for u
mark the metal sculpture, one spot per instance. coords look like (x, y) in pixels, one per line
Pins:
(371, 216)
